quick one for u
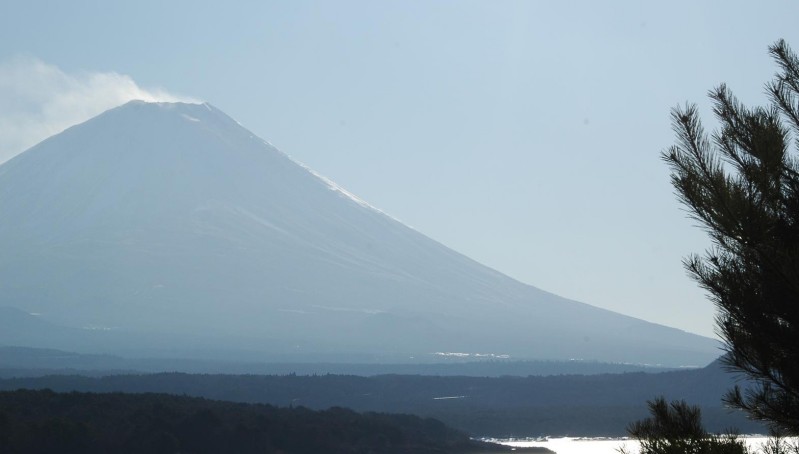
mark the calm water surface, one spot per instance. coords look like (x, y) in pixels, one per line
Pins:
(595, 446)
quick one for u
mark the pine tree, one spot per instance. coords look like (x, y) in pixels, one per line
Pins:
(677, 428)
(742, 184)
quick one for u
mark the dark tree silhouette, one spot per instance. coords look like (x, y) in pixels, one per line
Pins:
(742, 185)
(676, 428)
(86, 423)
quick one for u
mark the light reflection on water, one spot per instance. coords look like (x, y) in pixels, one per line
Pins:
(596, 446)
(577, 445)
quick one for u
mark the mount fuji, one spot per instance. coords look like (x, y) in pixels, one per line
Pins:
(169, 227)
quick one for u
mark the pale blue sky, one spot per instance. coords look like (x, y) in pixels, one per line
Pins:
(524, 134)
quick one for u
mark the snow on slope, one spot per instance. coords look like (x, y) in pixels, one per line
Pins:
(173, 218)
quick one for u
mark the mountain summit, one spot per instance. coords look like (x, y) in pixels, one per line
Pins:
(170, 226)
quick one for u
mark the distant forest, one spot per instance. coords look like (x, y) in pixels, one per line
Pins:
(48, 422)
(20, 361)
(597, 405)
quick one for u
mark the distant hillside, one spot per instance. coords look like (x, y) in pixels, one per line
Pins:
(26, 361)
(43, 421)
(600, 405)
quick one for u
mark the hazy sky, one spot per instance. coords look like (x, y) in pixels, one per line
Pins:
(524, 134)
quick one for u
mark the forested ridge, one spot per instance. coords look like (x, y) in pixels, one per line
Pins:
(20, 361)
(598, 405)
(43, 421)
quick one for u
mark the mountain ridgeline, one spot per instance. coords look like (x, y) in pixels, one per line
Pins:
(159, 228)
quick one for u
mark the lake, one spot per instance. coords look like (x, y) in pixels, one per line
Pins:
(568, 445)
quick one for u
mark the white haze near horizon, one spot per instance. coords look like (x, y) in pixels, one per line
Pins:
(38, 100)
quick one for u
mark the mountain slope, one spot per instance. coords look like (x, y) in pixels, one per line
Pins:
(175, 221)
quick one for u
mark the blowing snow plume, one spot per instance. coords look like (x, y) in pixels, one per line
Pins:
(38, 100)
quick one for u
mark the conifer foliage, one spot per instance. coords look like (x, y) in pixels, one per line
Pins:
(676, 428)
(742, 184)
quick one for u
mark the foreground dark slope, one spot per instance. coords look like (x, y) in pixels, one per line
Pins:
(159, 228)
(598, 405)
(43, 421)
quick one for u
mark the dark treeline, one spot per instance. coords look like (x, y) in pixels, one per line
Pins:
(43, 422)
(482, 406)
